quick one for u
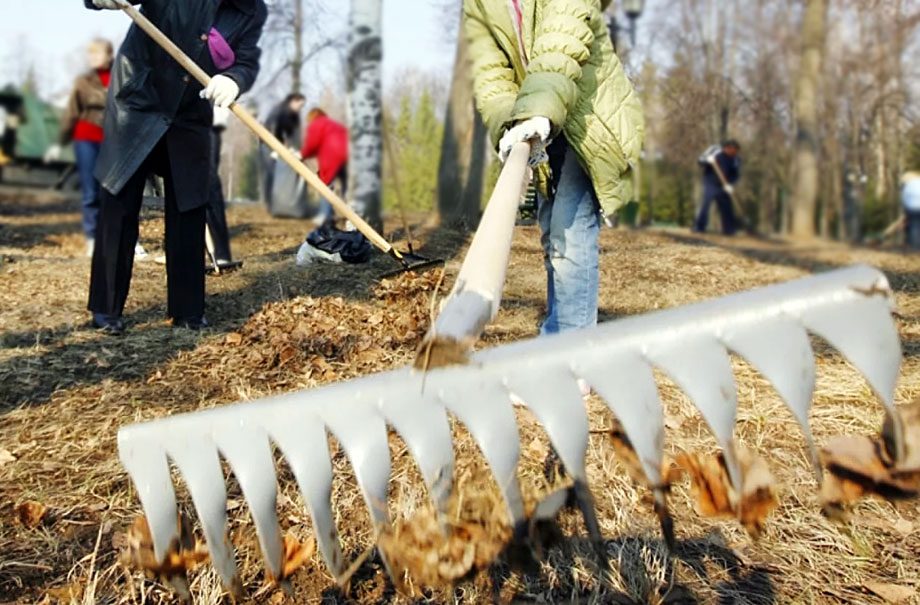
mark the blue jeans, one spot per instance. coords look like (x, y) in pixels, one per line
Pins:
(571, 225)
(87, 153)
(912, 229)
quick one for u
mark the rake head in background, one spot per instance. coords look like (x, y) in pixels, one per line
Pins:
(769, 327)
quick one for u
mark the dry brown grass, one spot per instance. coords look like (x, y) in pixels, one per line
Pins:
(64, 391)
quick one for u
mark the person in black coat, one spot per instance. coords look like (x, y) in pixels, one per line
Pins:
(726, 159)
(158, 119)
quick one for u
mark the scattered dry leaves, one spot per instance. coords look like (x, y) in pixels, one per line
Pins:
(860, 466)
(891, 593)
(716, 497)
(183, 555)
(31, 513)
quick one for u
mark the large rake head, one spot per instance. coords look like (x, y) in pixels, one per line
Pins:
(850, 309)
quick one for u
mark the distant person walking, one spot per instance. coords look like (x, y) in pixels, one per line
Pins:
(158, 120)
(82, 125)
(910, 199)
(327, 141)
(721, 171)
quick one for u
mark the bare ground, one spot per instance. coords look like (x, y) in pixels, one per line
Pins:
(65, 390)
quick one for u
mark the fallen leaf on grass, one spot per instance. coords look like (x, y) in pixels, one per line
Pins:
(183, 555)
(295, 555)
(67, 594)
(860, 466)
(891, 593)
(6, 457)
(234, 338)
(30, 513)
(716, 497)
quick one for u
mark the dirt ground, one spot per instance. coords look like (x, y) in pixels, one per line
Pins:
(65, 390)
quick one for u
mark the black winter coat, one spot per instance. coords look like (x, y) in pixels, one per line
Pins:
(151, 96)
(731, 169)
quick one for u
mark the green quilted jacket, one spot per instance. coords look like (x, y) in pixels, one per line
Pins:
(562, 66)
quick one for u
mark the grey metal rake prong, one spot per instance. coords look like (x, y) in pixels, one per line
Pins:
(849, 308)
(700, 366)
(486, 411)
(792, 374)
(301, 438)
(246, 448)
(147, 463)
(627, 385)
(426, 431)
(199, 463)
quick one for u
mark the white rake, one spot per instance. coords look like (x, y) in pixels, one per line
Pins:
(850, 308)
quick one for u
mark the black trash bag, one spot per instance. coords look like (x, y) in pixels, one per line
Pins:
(351, 246)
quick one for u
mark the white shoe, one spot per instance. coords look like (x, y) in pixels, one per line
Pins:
(140, 253)
(90, 247)
(307, 255)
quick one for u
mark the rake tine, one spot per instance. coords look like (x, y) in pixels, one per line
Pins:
(792, 374)
(426, 431)
(199, 463)
(558, 406)
(247, 450)
(627, 386)
(487, 413)
(148, 466)
(701, 368)
(874, 349)
(302, 440)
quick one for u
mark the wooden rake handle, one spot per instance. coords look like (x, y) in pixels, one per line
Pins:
(263, 133)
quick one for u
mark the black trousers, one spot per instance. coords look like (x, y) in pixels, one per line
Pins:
(116, 235)
(215, 211)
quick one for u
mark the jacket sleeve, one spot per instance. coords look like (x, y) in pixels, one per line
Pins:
(562, 46)
(494, 84)
(311, 142)
(248, 53)
(71, 115)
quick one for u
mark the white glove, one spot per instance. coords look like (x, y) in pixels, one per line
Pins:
(273, 155)
(222, 90)
(108, 4)
(296, 153)
(221, 117)
(53, 154)
(536, 131)
(729, 189)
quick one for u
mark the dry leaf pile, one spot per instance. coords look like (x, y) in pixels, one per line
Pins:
(327, 339)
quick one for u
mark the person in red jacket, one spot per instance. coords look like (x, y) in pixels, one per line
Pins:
(327, 141)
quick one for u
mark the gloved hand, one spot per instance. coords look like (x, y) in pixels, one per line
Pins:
(53, 154)
(536, 131)
(108, 4)
(222, 90)
(296, 153)
(729, 189)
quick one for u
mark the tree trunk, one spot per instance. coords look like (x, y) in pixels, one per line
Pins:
(461, 172)
(805, 187)
(365, 110)
(297, 31)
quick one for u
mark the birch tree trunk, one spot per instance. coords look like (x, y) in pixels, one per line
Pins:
(365, 110)
(297, 61)
(461, 172)
(805, 186)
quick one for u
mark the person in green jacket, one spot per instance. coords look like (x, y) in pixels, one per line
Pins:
(545, 71)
